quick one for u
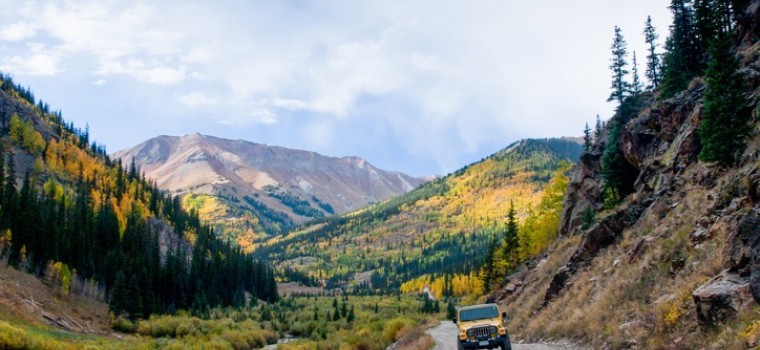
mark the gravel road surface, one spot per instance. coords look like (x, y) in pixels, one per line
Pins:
(445, 336)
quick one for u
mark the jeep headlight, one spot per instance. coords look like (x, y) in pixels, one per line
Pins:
(492, 330)
(470, 332)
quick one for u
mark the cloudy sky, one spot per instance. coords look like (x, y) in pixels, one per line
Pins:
(423, 87)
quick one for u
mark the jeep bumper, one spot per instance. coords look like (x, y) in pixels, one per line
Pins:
(485, 343)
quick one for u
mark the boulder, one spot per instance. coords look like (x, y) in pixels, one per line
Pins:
(722, 297)
(584, 192)
(557, 285)
(742, 253)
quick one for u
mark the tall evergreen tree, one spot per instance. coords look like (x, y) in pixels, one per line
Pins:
(118, 300)
(351, 316)
(598, 128)
(684, 57)
(653, 59)
(511, 238)
(620, 86)
(707, 21)
(636, 82)
(725, 123)
(488, 264)
(587, 138)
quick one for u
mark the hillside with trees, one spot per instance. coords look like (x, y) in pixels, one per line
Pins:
(72, 215)
(441, 234)
(657, 244)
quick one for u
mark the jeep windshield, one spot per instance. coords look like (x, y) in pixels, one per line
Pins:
(479, 313)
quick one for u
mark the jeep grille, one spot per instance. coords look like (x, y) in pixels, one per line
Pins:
(481, 332)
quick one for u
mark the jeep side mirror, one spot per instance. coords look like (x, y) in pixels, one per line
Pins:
(454, 320)
(504, 316)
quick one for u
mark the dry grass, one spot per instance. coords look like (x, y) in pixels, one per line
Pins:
(523, 310)
(620, 301)
(416, 339)
(19, 290)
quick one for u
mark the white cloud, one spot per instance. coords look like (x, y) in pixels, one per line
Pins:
(284, 103)
(196, 99)
(255, 115)
(263, 116)
(352, 70)
(35, 64)
(17, 32)
(152, 73)
(99, 82)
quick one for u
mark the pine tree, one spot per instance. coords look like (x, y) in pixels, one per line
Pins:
(134, 304)
(636, 83)
(684, 58)
(598, 128)
(707, 21)
(489, 264)
(511, 239)
(118, 300)
(620, 86)
(653, 59)
(587, 139)
(724, 126)
(451, 310)
(351, 317)
(343, 310)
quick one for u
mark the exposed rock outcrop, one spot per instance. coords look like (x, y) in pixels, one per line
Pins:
(722, 297)
(167, 238)
(662, 143)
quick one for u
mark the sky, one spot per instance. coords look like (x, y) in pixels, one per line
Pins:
(419, 86)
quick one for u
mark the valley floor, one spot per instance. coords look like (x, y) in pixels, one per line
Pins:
(35, 314)
(445, 336)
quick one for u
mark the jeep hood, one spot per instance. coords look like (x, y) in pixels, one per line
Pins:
(465, 325)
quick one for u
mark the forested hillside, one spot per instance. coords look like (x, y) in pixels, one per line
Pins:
(658, 244)
(442, 231)
(72, 215)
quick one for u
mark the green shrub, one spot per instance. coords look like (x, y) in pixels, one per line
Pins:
(11, 337)
(123, 324)
(393, 328)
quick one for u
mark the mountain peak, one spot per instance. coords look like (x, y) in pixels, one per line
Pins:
(298, 184)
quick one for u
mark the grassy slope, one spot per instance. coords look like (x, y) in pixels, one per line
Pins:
(444, 226)
(625, 298)
(379, 321)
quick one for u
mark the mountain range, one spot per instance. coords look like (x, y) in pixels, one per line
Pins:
(275, 188)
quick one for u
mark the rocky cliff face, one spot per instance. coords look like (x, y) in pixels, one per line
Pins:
(679, 255)
(298, 183)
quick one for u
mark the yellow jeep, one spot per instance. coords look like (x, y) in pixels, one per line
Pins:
(480, 327)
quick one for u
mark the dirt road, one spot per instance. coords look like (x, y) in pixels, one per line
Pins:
(445, 337)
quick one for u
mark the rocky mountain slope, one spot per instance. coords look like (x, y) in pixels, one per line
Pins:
(275, 188)
(677, 263)
(442, 228)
